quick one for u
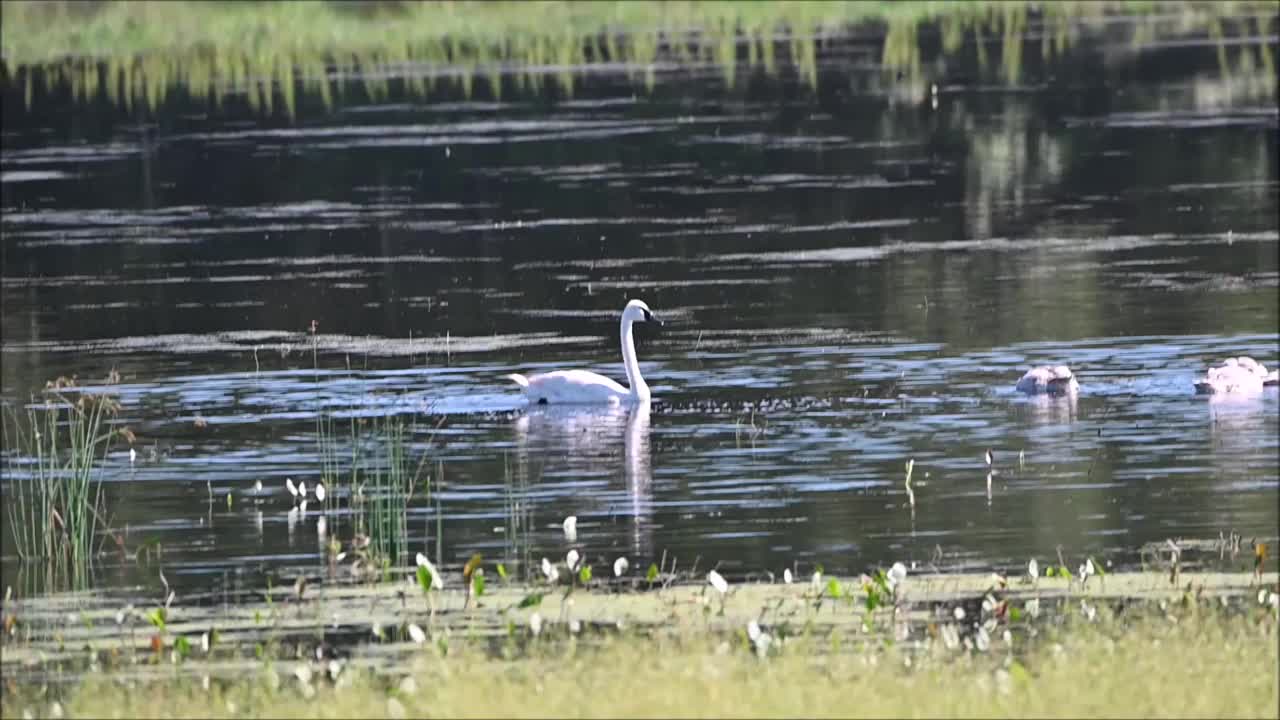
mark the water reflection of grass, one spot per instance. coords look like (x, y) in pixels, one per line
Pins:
(135, 53)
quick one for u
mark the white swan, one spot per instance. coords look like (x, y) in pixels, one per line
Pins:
(1053, 380)
(582, 386)
(1241, 375)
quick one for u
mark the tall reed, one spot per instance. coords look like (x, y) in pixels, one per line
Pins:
(374, 474)
(53, 484)
(383, 492)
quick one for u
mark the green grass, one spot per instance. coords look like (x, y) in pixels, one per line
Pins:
(41, 32)
(135, 53)
(1203, 665)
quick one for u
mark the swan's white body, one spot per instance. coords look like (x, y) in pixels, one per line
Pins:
(585, 387)
(1239, 375)
(1052, 380)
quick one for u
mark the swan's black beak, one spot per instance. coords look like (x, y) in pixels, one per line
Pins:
(650, 317)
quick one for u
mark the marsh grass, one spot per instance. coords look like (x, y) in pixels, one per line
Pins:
(382, 493)
(1207, 664)
(376, 476)
(518, 526)
(134, 54)
(53, 486)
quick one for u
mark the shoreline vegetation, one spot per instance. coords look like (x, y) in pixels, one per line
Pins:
(136, 53)
(1116, 644)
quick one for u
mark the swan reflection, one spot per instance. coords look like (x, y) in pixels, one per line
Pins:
(1240, 426)
(606, 446)
(1051, 409)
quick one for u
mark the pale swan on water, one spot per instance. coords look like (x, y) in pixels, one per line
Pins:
(582, 386)
(1053, 380)
(1241, 375)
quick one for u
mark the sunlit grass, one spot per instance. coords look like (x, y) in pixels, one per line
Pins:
(135, 53)
(1204, 665)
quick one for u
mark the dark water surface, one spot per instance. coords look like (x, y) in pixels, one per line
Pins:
(851, 277)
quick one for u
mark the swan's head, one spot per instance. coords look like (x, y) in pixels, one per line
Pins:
(637, 311)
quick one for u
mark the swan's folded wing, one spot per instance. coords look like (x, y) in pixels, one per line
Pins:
(570, 386)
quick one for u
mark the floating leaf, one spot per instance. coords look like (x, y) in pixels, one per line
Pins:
(652, 573)
(425, 566)
(477, 583)
(502, 571)
(475, 562)
(585, 574)
(157, 618)
(882, 581)
(833, 588)
(530, 600)
(182, 646)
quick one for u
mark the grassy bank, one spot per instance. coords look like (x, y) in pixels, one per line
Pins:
(1199, 644)
(41, 32)
(139, 51)
(1208, 665)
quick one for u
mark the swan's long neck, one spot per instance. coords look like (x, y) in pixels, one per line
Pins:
(639, 389)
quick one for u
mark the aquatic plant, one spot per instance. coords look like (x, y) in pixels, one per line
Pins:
(53, 484)
(376, 477)
(518, 526)
(379, 484)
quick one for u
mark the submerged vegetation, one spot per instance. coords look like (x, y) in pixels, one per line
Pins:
(136, 53)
